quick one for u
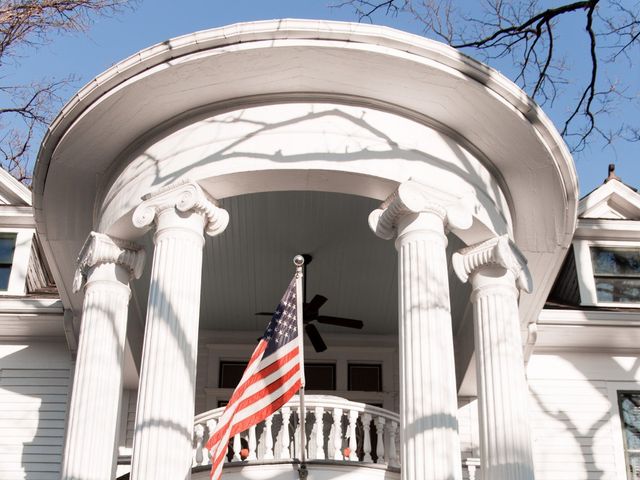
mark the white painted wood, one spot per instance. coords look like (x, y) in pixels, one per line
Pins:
(105, 267)
(163, 432)
(417, 214)
(497, 271)
(34, 384)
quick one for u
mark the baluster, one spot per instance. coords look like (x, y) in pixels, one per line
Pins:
(252, 444)
(472, 471)
(380, 434)
(353, 444)
(296, 433)
(198, 452)
(337, 434)
(237, 446)
(286, 415)
(393, 453)
(319, 426)
(366, 447)
(211, 427)
(268, 438)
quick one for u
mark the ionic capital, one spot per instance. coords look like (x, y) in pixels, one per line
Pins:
(100, 248)
(414, 197)
(184, 196)
(497, 252)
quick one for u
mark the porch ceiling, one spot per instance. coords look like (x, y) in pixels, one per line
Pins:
(247, 268)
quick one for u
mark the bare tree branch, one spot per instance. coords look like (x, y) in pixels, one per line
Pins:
(535, 40)
(26, 110)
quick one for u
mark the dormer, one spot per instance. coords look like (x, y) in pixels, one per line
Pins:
(602, 268)
(22, 269)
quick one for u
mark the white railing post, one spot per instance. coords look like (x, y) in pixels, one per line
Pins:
(268, 438)
(285, 454)
(237, 446)
(337, 434)
(366, 443)
(319, 426)
(380, 434)
(353, 444)
(252, 444)
(393, 452)
(199, 454)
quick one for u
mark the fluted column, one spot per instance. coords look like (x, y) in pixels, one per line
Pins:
(497, 272)
(417, 215)
(105, 267)
(164, 420)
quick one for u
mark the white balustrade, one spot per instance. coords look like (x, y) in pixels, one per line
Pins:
(337, 429)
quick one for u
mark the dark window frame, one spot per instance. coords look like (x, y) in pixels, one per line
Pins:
(323, 364)
(8, 263)
(620, 396)
(368, 365)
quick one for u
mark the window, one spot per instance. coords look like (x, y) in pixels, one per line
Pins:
(7, 247)
(230, 374)
(365, 377)
(629, 403)
(616, 273)
(320, 376)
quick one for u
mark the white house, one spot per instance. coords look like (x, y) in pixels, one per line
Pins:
(499, 337)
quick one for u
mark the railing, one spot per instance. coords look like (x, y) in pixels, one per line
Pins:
(335, 429)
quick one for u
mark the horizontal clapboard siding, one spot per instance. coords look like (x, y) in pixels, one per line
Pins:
(33, 405)
(570, 421)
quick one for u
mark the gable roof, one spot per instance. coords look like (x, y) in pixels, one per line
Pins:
(613, 200)
(12, 192)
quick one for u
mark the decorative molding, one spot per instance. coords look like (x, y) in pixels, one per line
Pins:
(498, 252)
(413, 197)
(184, 195)
(100, 248)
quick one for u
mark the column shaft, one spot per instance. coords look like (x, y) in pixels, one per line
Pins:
(505, 444)
(430, 446)
(164, 420)
(105, 266)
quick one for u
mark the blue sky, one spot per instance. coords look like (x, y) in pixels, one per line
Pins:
(110, 40)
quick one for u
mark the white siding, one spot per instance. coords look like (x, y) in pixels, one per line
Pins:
(574, 414)
(34, 386)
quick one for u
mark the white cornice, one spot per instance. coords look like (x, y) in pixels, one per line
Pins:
(17, 216)
(592, 318)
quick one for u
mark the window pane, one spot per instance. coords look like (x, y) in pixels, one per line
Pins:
(624, 290)
(320, 376)
(231, 373)
(5, 271)
(634, 466)
(615, 261)
(364, 377)
(7, 246)
(630, 411)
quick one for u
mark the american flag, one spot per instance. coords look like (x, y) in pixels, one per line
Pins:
(273, 375)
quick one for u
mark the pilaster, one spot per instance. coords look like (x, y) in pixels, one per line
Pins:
(105, 267)
(165, 410)
(498, 271)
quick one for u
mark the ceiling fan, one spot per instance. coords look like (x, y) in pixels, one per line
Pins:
(311, 313)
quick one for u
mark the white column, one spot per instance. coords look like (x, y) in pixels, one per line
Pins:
(497, 271)
(417, 215)
(105, 267)
(165, 410)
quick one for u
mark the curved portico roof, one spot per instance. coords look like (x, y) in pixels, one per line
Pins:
(376, 66)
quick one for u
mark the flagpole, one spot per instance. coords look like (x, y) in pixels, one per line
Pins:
(298, 261)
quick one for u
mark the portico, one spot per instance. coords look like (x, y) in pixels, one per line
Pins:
(453, 153)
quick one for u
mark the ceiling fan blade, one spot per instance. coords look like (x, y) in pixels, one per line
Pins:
(314, 305)
(340, 322)
(316, 339)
